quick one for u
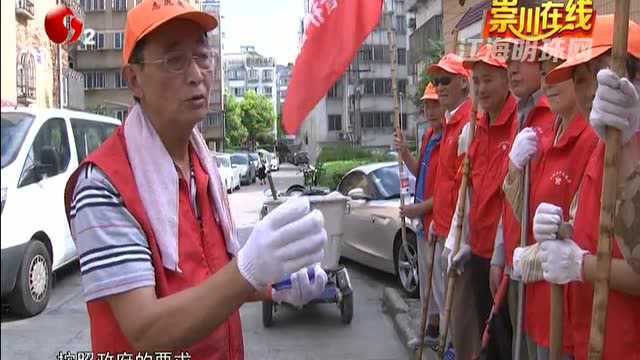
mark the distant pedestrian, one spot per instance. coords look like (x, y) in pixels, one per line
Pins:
(262, 173)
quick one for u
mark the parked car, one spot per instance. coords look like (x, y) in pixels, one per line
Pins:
(230, 175)
(255, 160)
(246, 168)
(300, 157)
(40, 150)
(372, 225)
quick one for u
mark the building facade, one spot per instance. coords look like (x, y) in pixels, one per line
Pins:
(36, 71)
(360, 105)
(248, 70)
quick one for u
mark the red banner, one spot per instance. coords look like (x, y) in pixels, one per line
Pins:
(335, 30)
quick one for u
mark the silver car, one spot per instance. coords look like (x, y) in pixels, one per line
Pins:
(372, 226)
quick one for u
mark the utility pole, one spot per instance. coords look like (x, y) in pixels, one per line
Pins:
(357, 97)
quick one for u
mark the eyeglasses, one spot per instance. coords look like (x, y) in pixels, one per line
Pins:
(443, 80)
(179, 61)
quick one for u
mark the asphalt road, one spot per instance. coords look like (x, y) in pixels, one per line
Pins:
(312, 333)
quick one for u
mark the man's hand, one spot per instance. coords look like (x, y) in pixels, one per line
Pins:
(546, 222)
(302, 290)
(495, 276)
(400, 143)
(412, 211)
(561, 261)
(288, 239)
(456, 263)
(524, 147)
(617, 104)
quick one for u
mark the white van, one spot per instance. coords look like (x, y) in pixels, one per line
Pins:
(40, 150)
(229, 173)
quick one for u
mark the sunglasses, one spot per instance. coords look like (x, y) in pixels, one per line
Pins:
(443, 80)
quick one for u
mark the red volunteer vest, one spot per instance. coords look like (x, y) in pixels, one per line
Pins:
(622, 336)
(488, 154)
(432, 170)
(541, 118)
(202, 252)
(555, 179)
(449, 175)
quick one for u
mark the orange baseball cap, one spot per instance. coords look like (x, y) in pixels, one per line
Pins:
(150, 14)
(450, 63)
(601, 42)
(487, 55)
(430, 93)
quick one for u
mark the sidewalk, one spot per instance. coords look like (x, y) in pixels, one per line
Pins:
(405, 314)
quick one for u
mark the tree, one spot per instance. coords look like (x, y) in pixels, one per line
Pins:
(257, 116)
(433, 52)
(235, 133)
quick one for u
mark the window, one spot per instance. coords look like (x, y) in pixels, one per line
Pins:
(267, 90)
(267, 75)
(334, 123)
(26, 77)
(92, 5)
(402, 56)
(239, 92)
(336, 90)
(253, 75)
(120, 81)
(401, 24)
(380, 120)
(98, 42)
(49, 154)
(121, 114)
(119, 5)
(366, 54)
(118, 40)
(89, 135)
(94, 80)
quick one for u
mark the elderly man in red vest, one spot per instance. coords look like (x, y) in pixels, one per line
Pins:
(160, 263)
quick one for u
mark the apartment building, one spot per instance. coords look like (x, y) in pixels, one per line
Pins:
(36, 71)
(360, 105)
(248, 70)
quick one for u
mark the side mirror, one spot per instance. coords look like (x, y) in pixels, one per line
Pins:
(357, 194)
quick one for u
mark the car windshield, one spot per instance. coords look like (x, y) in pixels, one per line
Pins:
(239, 159)
(254, 157)
(387, 181)
(14, 130)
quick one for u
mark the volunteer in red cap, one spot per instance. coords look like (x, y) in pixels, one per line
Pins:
(557, 163)
(610, 101)
(488, 154)
(523, 64)
(161, 267)
(425, 170)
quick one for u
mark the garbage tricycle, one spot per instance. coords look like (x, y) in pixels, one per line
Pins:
(338, 288)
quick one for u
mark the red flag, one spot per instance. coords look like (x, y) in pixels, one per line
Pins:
(336, 29)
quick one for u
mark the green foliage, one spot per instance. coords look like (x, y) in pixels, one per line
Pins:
(235, 133)
(333, 171)
(257, 117)
(343, 152)
(434, 51)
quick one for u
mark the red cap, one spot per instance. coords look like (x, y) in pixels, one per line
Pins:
(430, 93)
(450, 63)
(150, 14)
(487, 55)
(601, 42)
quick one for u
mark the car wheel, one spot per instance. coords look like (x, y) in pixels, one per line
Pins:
(407, 265)
(229, 189)
(33, 285)
(346, 309)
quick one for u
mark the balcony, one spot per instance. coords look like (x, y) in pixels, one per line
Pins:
(25, 9)
(26, 94)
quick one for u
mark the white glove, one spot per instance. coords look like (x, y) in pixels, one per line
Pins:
(617, 104)
(516, 272)
(524, 147)
(457, 262)
(302, 290)
(464, 139)
(546, 222)
(289, 238)
(561, 261)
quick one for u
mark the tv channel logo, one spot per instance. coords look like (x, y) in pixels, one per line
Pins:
(63, 27)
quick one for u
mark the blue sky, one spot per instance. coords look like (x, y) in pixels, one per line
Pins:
(270, 25)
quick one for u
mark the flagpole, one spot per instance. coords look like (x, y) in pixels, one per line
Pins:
(391, 34)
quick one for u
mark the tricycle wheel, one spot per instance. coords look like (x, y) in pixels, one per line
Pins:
(346, 308)
(267, 313)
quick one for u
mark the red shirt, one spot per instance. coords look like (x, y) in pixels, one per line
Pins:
(622, 334)
(555, 179)
(488, 154)
(541, 119)
(432, 170)
(449, 175)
